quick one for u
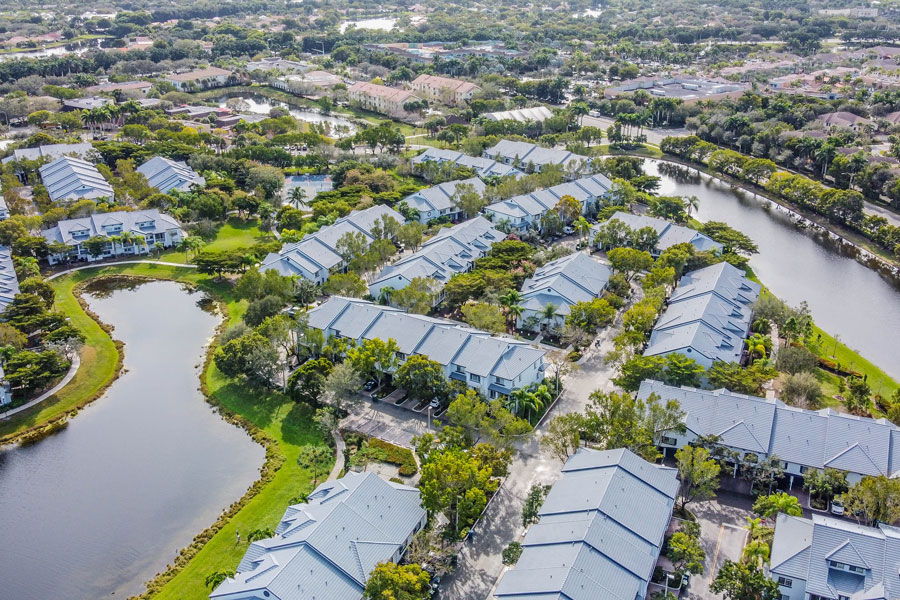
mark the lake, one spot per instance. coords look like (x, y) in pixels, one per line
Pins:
(335, 126)
(845, 297)
(103, 505)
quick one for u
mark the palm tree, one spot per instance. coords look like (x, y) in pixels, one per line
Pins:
(537, 400)
(214, 579)
(826, 154)
(691, 203)
(298, 194)
(583, 227)
(517, 400)
(191, 243)
(511, 301)
(756, 553)
(548, 313)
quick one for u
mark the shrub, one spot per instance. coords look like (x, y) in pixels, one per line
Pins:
(395, 455)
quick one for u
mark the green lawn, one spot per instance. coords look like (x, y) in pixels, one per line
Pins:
(235, 233)
(878, 380)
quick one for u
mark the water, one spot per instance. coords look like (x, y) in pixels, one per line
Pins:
(260, 105)
(78, 49)
(381, 24)
(846, 297)
(103, 505)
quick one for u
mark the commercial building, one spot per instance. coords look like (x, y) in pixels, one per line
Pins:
(316, 256)
(70, 178)
(440, 200)
(328, 546)
(531, 157)
(667, 233)
(493, 365)
(766, 427)
(524, 212)
(380, 98)
(453, 250)
(134, 233)
(536, 114)
(166, 175)
(562, 283)
(200, 79)
(600, 533)
(483, 167)
(708, 316)
(827, 558)
(443, 89)
(688, 89)
(89, 103)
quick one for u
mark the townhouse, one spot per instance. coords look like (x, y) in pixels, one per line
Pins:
(766, 427)
(483, 167)
(130, 233)
(380, 98)
(708, 316)
(600, 533)
(51, 151)
(166, 175)
(328, 546)
(667, 233)
(827, 558)
(531, 157)
(443, 89)
(521, 213)
(562, 283)
(440, 200)
(200, 79)
(493, 365)
(70, 178)
(316, 256)
(9, 282)
(453, 250)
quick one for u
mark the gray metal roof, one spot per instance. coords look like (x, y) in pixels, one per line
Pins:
(668, 234)
(445, 342)
(536, 203)
(51, 151)
(804, 548)
(522, 115)
(722, 279)
(567, 281)
(600, 531)
(9, 283)
(483, 167)
(68, 178)
(167, 175)
(524, 153)
(814, 439)
(440, 197)
(326, 548)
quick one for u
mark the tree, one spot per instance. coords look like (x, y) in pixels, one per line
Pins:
(801, 389)
(422, 378)
(374, 358)
(482, 315)
(629, 261)
(617, 420)
(250, 355)
(685, 552)
(308, 382)
(591, 315)
(699, 474)
(825, 485)
(220, 262)
(796, 359)
(762, 474)
(563, 436)
(315, 459)
(781, 502)
(455, 484)
(467, 200)
(878, 499)
(259, 310)
(342, 386)
(512, 553)
(417, 297)
(214, 579)
(327, 420)
(858, 397)
(548, 315)
(305, 291)
(345, 284)
(738, 581)
(410, 235)
(390, 581)
(533, 502)
(732, 376)
(568, 209)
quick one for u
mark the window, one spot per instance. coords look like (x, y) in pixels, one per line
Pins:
(475, 378)
(460, 369)
(836, 565)
(859, 570)
(400, 356)
(669, 441)
(785, 582)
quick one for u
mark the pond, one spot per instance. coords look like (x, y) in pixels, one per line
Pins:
(334, 126)
(103, 505)
(381, 24)
(845, 297)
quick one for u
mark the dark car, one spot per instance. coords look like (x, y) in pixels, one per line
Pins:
(370, 385)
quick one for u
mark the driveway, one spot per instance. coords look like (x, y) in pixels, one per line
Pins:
(722, 536)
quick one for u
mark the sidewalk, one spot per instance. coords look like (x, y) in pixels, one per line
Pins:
(73, 368)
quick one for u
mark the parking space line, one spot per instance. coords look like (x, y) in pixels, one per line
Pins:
(715, 560)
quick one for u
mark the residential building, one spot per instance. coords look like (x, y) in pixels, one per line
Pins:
(668, 234)
(140, 87)
(166, 175)
(443, 89)
(196, 112)
(316, 256)
(562, 283)
(524, 212)
(145, 228)
(440, 200)
(276, 63)
(4, 208)
(9, 283)
(766, 427)
(537, 114)
(453, 250)
(328, 546)
(493, 365)
(842, 120)
(531, 157)
(380, 98)
(708, 316)
(828, 558)
(483, 167)
(200, 79)
(88, 103)
(70, 178)
(600, 533)
(51, 151)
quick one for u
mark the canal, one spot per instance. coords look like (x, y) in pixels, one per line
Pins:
(845, 297)
(103, 505)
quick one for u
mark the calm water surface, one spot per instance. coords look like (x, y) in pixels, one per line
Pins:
(846, 297)
(103, 505)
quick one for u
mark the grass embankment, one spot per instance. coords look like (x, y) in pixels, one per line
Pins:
(879, 381)
(235, 233)
(270, 417)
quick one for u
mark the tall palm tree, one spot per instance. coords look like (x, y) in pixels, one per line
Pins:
(517, 400)
(537, 400)
(548, 313)
(583, 227)
(511, 301)
(691, 203)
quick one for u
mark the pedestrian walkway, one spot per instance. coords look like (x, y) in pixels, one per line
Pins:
(120, 262)
(339, 457)
(73, 368)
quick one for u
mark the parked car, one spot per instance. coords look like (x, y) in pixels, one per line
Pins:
(370, 385)
(837, 506)
(434, 404)
(568, 230)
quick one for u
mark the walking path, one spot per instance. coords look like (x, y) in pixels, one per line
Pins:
(339, 457)
(73, 368)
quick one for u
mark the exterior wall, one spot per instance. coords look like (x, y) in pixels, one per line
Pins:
(168, 238)
(397, 282)
(797, 591)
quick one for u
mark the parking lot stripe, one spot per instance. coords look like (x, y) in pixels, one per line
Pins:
(715, 560)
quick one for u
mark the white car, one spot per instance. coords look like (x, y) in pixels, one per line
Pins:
(837, 507)
(568, 230)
